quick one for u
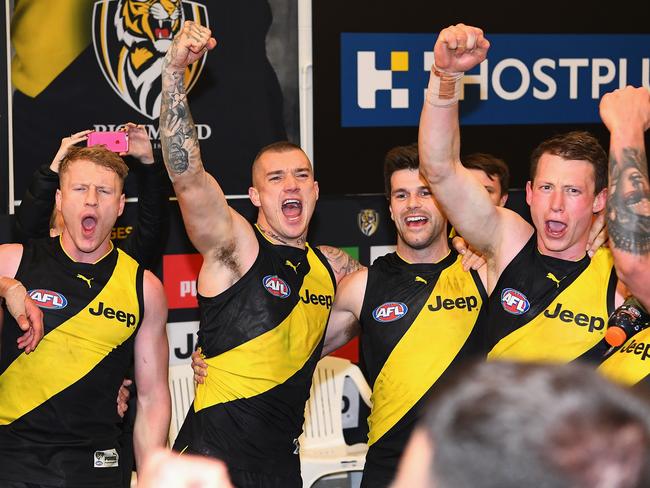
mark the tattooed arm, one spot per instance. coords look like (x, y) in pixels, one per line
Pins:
(626, 113)
(341, 262)
(219, 233)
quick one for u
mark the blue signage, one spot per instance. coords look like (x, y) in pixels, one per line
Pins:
(526, 79)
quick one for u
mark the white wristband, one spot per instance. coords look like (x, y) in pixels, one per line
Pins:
(444, 88)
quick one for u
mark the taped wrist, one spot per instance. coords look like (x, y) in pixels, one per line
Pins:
(444, 87)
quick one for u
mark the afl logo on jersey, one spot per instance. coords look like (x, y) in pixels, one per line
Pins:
(514, 302)
(48, 299)
(390, 311)
(276, 286)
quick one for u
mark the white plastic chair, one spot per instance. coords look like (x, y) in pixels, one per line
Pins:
(323, 449)
(181, 388)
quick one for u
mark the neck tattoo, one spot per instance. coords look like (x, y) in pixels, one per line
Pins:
(300, 241)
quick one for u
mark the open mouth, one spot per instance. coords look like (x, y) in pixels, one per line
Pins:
(163, 30)
(292, 208)
(555, 228)
(88, 224)
(416, 220)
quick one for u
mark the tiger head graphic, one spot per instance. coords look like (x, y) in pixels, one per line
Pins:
(148, 24)
(131, 38)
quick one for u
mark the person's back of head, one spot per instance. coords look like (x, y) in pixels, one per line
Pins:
(545, 426)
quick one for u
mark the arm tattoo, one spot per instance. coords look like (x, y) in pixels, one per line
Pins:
(341, 262)
(628, 202)
(180, 145)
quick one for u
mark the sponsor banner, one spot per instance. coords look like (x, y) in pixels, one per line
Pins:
(180, 272)
(527, 78)
(182, 341)
(101, 68)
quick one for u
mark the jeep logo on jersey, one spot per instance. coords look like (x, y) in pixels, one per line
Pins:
(390, 311)
(470, 303)
(48, 299)
(276, 286)
(312, 298)
(581, 319)
(514, 302)
(111, 313)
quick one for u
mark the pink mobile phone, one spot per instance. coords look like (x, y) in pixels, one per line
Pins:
(117, 141)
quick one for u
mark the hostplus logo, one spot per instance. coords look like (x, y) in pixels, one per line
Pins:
(527, 78)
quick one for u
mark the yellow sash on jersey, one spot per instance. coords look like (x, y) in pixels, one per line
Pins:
(271, 358)
(631, 363)
(424, 352)
(554, 340)
(73, 349)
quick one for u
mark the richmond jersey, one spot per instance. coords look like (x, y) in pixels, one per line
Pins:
(419, 322)
(58, 418)
(630, 363)
(549, 309)
(262, 338)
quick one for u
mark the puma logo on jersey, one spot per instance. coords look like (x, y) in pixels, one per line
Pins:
(111, 313)
(552, 277)
(448, 303)
(581, 319)
(419, 279)
(292, 266)
(85, 280)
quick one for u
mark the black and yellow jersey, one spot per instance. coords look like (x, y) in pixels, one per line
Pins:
(629, 364)
(58, 418)
(551, 310)
(419, 322)
(262, 339)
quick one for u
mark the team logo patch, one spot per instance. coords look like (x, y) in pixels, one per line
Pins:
(106, 459)
(390, 311)
(514, 302)
(276, 286)
(368, 221)
(48, 299)
(131, 37)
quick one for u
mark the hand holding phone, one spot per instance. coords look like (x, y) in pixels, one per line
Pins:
(116, 141)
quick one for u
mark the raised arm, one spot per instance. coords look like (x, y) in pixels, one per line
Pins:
(458, 49)
(146, 243)
(213, 227)
(343, 323)
(626, 113)
(151, 366)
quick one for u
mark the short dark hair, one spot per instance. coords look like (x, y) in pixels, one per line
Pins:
(278, 147)
(576, 145)
(98, 155)
(507, 425)
(398, 158)
(491, 166)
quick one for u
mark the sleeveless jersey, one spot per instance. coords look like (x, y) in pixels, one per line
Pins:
(58, 418)
(551, 310)
(419, 322)
(630, 363)
(262, 338)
